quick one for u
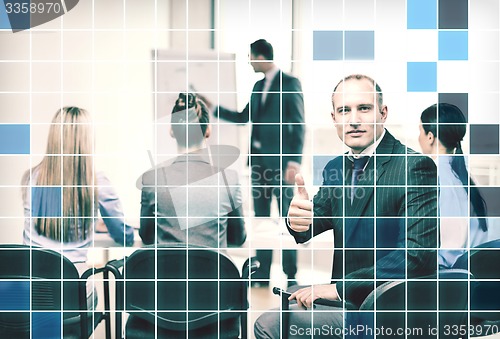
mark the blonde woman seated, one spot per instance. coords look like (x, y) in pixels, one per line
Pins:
(62, 193)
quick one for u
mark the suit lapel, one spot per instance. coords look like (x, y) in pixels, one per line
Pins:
(367, 182)
(257, 100)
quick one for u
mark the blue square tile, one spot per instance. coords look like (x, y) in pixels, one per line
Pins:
(14, 295)
(319, 163)
(421, 14)
(359, 45)
(46, 202)
(422, 77)
(14, 139)
(46, 325)
(4, 19)
(453, 45)
(328, 45)
(19, 18)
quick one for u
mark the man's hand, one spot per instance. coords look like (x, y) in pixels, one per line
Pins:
(306, 296)
(292, 168)
(300, 213)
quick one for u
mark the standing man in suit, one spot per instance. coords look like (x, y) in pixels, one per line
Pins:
(380, 200)
(276, 110)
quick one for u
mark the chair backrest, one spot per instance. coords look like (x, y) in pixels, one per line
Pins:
(182, 288)
(419, 303)
(485, 266)
(35, 279)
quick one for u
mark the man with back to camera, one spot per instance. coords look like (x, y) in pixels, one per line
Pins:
(276, 110)
(380, 194)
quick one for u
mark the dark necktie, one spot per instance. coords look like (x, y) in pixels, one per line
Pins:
(357, 170)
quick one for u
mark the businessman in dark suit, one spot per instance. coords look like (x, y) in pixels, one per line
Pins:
(380, 200)
(276, 110)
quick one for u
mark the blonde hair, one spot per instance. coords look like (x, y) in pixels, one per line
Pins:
(69, 145)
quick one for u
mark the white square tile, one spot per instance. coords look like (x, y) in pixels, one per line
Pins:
(453, 76)
(422, 44)
(15, 108)
(77, 76)
(46, 46)
(15, 77)
(77, 45)
(390, 45)
(390, 15)
(391, 77)
(46, 76)
(359, 15)
(328, 15)
(483, 14)
(484, 45)
(483, 108)
(484, 77)
(108, 45)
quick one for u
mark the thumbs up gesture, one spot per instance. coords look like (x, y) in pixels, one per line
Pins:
(300, 213)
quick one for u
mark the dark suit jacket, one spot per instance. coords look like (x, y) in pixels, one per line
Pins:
(278, 125)
(390, 227)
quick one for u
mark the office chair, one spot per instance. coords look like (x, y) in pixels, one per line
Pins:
(485, 266)
(438, 301)
(41, 290)
(174, 291)
(403, 304)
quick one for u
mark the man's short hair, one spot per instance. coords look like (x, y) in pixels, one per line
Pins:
(262, 47)
(378, 90)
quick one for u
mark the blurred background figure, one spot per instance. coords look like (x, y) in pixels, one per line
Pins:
(276, 110)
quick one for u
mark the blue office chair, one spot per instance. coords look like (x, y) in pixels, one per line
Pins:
(172, 291)
(41, 293)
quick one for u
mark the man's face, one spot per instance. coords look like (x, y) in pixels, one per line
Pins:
(358, 118)
(257, 62)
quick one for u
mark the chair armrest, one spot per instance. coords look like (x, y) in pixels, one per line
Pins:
(370, 299)
(250, 266)
(114, 266)
(92, 271)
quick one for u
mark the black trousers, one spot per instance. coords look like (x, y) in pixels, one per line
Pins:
(266, 184)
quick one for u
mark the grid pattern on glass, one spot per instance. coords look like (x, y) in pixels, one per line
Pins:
(106, 57)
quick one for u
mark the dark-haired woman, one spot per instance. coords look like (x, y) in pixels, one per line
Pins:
(462, 224)
(190, 200)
